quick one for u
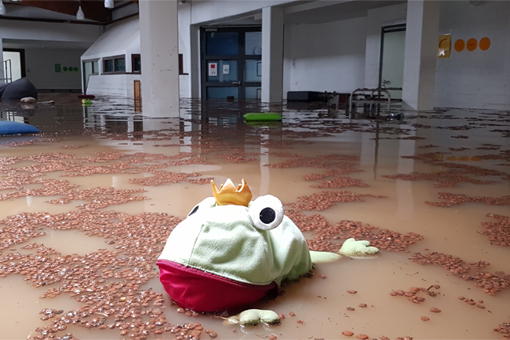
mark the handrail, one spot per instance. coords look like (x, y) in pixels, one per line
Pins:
(372, 98)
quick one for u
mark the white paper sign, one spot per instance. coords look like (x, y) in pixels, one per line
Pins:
(226, 69)
(213, 69)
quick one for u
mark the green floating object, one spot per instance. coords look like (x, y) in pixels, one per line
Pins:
(262, 116)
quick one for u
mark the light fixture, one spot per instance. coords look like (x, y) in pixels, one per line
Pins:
(109, 4)
(2, 8)
(80, 15)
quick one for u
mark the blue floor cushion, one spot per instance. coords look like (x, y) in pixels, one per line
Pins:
(12, 128)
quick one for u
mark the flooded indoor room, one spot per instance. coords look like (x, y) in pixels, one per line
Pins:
(236, 169)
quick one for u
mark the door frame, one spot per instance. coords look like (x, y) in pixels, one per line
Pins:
(387, 29)
(240, 57)
(94, 72)
(21, 52)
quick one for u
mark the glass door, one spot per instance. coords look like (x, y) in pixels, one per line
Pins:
(391, 69)
(231, 63)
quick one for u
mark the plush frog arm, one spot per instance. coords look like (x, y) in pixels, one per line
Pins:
(350, 248)
(252, 317)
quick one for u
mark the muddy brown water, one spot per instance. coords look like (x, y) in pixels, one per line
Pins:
(155, 166)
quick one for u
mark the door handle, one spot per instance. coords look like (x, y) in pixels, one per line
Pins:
(236, 83)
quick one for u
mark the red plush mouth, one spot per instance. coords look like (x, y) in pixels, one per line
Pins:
(206, 292)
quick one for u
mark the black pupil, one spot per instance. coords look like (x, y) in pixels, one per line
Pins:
(193, 211)
(267, 215)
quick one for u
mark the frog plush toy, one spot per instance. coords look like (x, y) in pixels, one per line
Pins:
(230, 252)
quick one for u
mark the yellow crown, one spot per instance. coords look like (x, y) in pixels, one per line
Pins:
(229, 194)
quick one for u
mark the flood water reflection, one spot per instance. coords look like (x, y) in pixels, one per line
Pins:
(86, 207)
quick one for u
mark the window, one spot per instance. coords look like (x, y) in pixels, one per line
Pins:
(108, 66)
(117, 64)
(120, 65)
(114, 64)
(136, 63)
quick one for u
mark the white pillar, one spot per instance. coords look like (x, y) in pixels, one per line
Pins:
(422, 32)
(159, 43)
(272, 54)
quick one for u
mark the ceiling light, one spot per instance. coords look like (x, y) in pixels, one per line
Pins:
(109, 4)
(80, 15)
(2, 8)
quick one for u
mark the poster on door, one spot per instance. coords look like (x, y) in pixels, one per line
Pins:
(213, 69)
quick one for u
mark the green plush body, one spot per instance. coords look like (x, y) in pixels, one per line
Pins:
(222, 240)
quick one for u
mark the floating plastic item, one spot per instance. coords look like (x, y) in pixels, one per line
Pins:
(262, 116)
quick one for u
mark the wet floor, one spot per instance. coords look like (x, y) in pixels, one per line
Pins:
(86, 207)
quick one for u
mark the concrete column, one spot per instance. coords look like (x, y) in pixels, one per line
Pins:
(422, 32)
(272, 54)
(159, 43)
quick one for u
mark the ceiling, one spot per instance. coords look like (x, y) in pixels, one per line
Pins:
(64, 10)
(311, 12)
(304, 12)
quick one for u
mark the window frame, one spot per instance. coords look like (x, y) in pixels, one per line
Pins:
(133, 58)
(114, 59)
(94, 70)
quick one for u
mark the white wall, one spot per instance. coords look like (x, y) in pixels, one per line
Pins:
(325, 57)
(377, 18)
(118, 39)
(40, 67)
(119, 85)
(477, 79)
(121, 38)
(40, 63)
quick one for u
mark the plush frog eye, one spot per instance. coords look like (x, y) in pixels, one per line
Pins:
(266, 212)
(207, 203)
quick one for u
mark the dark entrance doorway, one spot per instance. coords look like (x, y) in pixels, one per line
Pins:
(231, 63)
